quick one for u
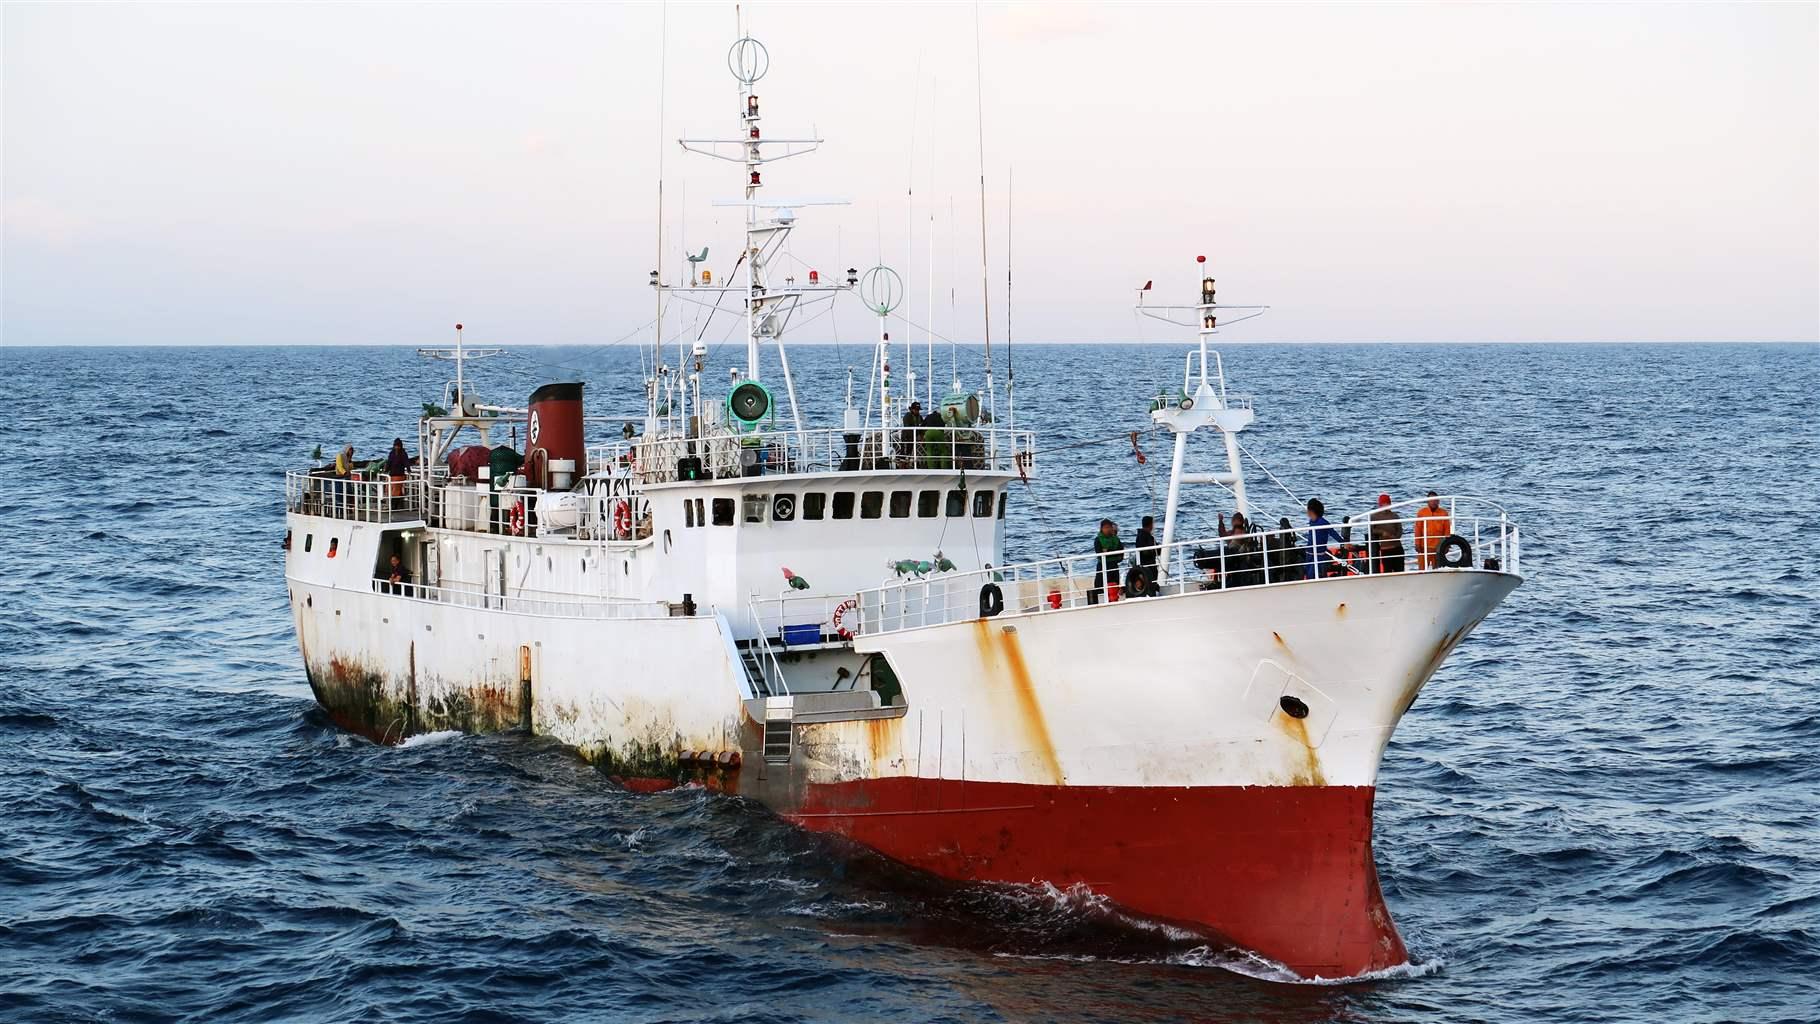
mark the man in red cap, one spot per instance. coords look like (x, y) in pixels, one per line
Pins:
(1386, 538)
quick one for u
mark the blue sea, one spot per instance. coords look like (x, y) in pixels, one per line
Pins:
(1605, 807)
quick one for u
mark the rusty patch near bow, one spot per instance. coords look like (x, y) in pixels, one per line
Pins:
(1003, 656)
(1308, 773)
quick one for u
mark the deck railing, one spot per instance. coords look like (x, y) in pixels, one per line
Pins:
(378, 500)
(763, 453)
(523, 602)
(1257, 559)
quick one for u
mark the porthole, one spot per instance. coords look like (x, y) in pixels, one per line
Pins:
(309, 602)
(334, 543)
(1293, 706)
(308, 539)
(549, 563)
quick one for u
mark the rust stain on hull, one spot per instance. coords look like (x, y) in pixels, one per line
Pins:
(1000, 650)
(1309, 773)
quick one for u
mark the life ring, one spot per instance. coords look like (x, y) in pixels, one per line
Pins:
(1455, 552)
(622, 519)
(515, 520)
(1138, 582)
(992, 600)
(840, 612)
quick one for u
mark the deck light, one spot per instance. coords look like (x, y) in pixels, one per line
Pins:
(752, 105)
(653, 278)
(852, 277)
(754, 177)
(1207, 291)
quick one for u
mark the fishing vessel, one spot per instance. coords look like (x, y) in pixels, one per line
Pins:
(822, 618)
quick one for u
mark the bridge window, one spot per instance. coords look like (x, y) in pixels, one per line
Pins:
(1003, 500)
(982, 504)
(723, 511)
(815, 505)
(900, 504)
(755, 508)
(307, 538)
(688, 512)
(843, 504)
(928, 504)
(957, 504)
(871, 503)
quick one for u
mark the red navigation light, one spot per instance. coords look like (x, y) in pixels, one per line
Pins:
(1200, 259)
(754, 177)
(814, 278)
(458, 327)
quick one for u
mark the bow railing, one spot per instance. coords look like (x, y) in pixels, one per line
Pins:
(1459, 533)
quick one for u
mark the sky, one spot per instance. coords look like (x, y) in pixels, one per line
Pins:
(372, 174)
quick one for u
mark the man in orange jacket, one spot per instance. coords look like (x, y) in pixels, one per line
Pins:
(1433, 524)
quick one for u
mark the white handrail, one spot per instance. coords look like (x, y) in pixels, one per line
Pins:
(1255, 559)
(544, 603)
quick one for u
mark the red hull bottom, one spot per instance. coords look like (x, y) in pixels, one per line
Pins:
(1286, 872)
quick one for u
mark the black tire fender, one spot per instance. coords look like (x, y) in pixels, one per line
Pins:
(1138, 582)
(1455, 552)
(992, 600)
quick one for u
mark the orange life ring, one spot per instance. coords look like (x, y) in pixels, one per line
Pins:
(840, 612)
(515, 520)
(622, 519)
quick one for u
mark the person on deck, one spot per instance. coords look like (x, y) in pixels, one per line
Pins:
(1244, 561)
(1147, 549)
(1323, 541)
(913, 429)
(1433, 524)
(1285, 553)
(397, 577)
(1110, 549)
(398, 461)
(1385, 535)
(344, 468)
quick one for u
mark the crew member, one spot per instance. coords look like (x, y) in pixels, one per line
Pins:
(1433, 524)
(1323, 540)
(1385, 534)
(1110, 549)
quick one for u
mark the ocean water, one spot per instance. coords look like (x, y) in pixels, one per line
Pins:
(1605, 807)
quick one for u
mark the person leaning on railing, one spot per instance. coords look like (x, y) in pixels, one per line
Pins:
(1433, 524)
(1323, 541)
(1385, 535)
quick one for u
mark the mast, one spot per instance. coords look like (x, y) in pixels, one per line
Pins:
(1010, 370)
(979, 96)
(929, 277)
(1202, 401)
(657, 343)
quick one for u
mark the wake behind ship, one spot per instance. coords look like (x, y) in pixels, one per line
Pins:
(821, 618)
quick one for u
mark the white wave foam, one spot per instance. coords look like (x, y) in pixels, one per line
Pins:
(427, 738)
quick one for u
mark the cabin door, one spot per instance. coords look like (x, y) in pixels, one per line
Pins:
(496, 577)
